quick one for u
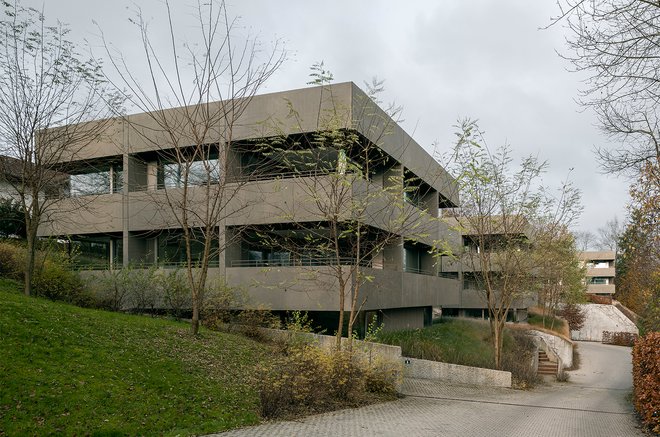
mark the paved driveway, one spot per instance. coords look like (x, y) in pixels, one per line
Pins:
(593, 403)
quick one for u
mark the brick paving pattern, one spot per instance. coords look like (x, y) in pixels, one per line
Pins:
(592, 404)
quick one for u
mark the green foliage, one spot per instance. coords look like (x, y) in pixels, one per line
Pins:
(298, 321)
(53, 277)
(374, 330)
(466, 342)
(638, 261)
(12, 219)
(11, 254)
(71, 371)
(646, 379)
(549, 322)
(132, 287)
(55, 280)
(176, 293)
(510, 221)
(319, 75)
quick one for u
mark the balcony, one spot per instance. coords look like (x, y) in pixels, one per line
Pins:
(601, 288)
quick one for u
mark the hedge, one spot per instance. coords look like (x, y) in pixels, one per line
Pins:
(646, 379)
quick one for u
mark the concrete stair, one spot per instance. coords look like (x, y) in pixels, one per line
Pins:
(546, 367)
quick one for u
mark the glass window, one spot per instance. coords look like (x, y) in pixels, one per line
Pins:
(99, 182)
(198, 172)
(89, 183)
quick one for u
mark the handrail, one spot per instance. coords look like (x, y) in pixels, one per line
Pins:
(299, 262)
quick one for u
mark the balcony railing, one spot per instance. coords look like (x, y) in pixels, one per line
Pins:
(300, 262)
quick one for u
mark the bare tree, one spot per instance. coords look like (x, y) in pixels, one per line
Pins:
(584, 240)
(502, 214)
(47, 92)
(211, 77)
(617, 42)
(609, 235)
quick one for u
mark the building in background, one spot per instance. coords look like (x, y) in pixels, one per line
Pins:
(600, 275)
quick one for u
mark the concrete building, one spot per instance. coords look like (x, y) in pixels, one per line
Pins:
(465, 267)
(600, 274)
(125, 220)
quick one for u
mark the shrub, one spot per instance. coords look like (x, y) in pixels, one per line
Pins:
(574, 315)
(518, 356)
(217, 304)
(646, 379)
(251, 321)
(55, 280)
(306, 379)
(176, 294)
(619, 338)
(10, 260)
(12, 219)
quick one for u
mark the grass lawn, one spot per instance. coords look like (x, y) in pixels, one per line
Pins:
(71, 371)
(452, 340)
(551, 323)
(466, 342)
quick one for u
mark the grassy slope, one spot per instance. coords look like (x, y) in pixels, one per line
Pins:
(551, 323)
(66, 370)
(457, 341)
(453, 340)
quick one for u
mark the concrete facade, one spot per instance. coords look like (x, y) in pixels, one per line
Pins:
(599, 318)
(124, 222)
(600, 276)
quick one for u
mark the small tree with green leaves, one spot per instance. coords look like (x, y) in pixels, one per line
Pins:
(504, 217)
(356, 218)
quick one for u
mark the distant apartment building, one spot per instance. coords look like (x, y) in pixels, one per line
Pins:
(124, 222)
(600, 274)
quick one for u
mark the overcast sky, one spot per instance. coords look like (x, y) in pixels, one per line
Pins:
(441, 61)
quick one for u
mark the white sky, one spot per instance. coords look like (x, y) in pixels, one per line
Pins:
(482, 59)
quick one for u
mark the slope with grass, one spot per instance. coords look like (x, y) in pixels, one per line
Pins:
(71, 371)
(467, 342)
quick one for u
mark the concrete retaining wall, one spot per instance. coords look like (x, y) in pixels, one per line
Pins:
(365, 349)
(599, 318)
(414, 368)
(558, 349)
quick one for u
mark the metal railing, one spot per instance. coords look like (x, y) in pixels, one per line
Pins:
(300, 262)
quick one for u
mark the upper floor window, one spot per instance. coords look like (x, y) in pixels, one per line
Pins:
(176, 175)
(103, 180)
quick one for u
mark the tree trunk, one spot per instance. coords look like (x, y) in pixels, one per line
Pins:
(340, 327)
(194, 323)
(29, 263)
(31, 236)
(497, 343)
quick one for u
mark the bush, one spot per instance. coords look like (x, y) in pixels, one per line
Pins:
(134, 287)
(646, 379)
(619, 338)
(10, 260)
(574, 315)
(176, 294)
(517, 357)
(55, 280)
(306, 379)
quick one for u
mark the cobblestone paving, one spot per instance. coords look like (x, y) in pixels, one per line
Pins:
(593, 404)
